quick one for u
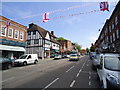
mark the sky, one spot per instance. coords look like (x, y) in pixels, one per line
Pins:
(82, 28)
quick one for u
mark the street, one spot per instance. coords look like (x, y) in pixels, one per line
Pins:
(52, 74)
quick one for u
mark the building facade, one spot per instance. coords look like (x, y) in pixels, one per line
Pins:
(40, 41)
(12, 38)
(109, 38)
(66, 46)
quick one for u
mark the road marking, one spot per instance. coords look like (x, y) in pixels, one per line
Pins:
(71, 85)
(50, 83)
(89, 77)
(87, 64)
(78, 63)
(77, 74)
(89, 72)
(7, 79)
(89, 83)
(70, 69)
(80, 70)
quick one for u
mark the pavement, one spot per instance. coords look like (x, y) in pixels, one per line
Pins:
(51, 73)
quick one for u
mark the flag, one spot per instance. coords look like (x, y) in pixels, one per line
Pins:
(45, 17)
(104, 6)
(7, 23)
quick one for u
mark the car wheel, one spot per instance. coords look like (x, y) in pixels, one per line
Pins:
(24, 63)
(35, 62)
(9, 66)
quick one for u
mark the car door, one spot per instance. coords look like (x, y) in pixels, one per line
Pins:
(100, 70)
(29, 59)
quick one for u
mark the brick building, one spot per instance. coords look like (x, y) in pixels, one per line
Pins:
(66, 46)
(109, 38)
(12, 38)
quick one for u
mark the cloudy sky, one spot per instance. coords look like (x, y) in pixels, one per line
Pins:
(80, 22)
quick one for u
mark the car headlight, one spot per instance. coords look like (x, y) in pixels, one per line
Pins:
(112, 79)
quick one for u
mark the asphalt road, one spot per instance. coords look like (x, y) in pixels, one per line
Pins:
(52, 74)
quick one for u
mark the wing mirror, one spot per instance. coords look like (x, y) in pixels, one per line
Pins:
(99, 66)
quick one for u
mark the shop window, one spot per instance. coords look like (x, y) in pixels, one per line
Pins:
(10, 33)
(28, 42)
(21, 35)
(16, 34)
(3, 32)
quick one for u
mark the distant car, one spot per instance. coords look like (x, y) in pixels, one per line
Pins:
(95, 61)
(6, 63)
(58, 57)
(92, 55)
(26, 59)
(74, 57)
(108, 71)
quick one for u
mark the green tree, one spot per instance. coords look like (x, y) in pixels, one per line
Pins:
(87, 50)
(61, 38)
(78, 47)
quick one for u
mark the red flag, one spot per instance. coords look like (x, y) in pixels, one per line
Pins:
(7, 23)
(45, 17)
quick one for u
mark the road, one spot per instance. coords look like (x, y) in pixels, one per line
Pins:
(52, 74)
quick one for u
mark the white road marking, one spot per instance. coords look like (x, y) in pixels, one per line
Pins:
(89, 72)
(70, 69)
(80, 70)
(77, 74)
(89, 77)
(8, 79)
(71, 85)
(50, 83)
(89, 83)
(87, 64)
(78, 63)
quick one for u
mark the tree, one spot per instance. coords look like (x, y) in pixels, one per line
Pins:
(87, 50)
(78, 47)
(61, 38)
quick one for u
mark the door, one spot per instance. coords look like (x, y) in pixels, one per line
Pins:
(100, 70)
(29, 59)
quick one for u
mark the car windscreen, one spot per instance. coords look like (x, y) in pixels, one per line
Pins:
(112, 63)
(73, 55)
(23, 57)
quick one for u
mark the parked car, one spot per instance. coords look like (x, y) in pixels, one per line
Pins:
(26, 59)
(58, 57)
(74, 57)
(95, 61)
(6, 63)
(108, 70)
(92, 55)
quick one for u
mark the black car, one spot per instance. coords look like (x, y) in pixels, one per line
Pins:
(5, 63)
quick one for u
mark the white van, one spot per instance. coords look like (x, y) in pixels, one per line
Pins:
(108, 70)
(27, 59)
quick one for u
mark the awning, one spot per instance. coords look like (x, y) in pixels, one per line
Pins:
(12, 48)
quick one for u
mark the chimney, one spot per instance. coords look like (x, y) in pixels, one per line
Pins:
(31, 25)
(52, 32)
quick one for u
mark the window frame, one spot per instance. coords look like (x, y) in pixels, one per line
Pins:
(4, 31)
(15, 35)
(11, 33)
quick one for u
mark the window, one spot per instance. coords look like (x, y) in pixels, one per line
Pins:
(21, 35)
(112, 25)
(29, 32)
(28, 42)
(116, 20)
(16, 34)
(110, 28)
(34, 32)
(111, 39)
(36, 41)
(113, 36)
(3, 32)
(117, 33)
(10, 33)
